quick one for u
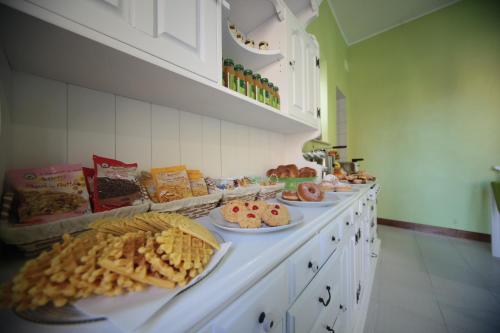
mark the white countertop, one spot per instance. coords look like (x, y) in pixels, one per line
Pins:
(250, 258)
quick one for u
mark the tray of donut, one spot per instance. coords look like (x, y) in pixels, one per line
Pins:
(300, 188)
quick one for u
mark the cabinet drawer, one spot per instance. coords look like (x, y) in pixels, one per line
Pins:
(347, 223)
(261, 309)
(319, 301)
(303, 265)
(330, 238)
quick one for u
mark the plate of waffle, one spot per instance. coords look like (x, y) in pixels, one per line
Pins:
(148, 259)
(255, 216)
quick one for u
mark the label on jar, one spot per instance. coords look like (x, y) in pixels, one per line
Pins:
(259, 93)
(267, 97)
(230, 81)
(242, 86)
(250, 90)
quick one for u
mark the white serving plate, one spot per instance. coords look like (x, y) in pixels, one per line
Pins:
(296, 218)
(330, 199)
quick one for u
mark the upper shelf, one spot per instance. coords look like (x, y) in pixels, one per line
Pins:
(99, 62)
(252, 14)
(250, 57)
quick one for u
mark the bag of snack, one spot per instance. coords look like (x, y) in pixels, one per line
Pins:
(147, 182)
(88, 174)
(115, 184)
(197, 182)
(172, 183)
(49, 194)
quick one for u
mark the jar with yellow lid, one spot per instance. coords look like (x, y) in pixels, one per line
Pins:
(259, 89)
(228, 79)
(240, 79)
(250, 85)
(277, 103)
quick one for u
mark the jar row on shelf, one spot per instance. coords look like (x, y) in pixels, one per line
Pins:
(244, 81)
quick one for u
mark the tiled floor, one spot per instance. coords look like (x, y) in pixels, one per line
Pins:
(428, 283)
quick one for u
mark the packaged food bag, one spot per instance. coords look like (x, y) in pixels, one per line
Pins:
(172, 183)
(197, 182)
(49, 194)
(88, 174)
(115, 184)
(147, 182)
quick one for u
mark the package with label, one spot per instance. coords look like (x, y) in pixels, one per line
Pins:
(49, 194)
(115, 184)
(197, 182)
(172, 183)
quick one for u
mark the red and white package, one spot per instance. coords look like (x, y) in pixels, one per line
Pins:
(115, 184)
(89, 175)
(49, 194)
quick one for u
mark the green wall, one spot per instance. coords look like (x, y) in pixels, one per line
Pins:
(425, 113)
(333, 53)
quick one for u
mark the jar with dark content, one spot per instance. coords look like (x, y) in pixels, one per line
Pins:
(265, 89)
(250, 85)
(259, 89)
(240, 79)
(277, 103)
(228, 74)
(271, 94)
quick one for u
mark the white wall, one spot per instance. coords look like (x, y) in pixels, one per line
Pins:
(53, 122)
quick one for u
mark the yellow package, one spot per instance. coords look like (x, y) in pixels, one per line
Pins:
(172, 183)
(197, 181)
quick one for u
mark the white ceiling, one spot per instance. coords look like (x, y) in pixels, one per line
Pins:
(361, 19)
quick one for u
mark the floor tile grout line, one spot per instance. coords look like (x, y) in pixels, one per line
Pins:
(432, 286)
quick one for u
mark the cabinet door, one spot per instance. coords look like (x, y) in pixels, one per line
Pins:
(312, 77)
(261, 309)
(184, 33)
(297, 67)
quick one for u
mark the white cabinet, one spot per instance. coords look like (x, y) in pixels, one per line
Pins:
(184, 33)
(303, 61)
(260, 309)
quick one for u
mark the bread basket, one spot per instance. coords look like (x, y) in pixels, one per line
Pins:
(191, 207)
(267, 192)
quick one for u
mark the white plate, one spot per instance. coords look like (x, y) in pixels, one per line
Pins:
(330, 199)
(218, 220)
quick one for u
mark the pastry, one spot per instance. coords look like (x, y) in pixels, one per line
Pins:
(275, 217)
(310, 192)
(290, 195)
(249, 219)
(272, 172)
(232, 210)
(307, 172)
(293, 170)
(256, 207)
(327, 186)
(342, 188)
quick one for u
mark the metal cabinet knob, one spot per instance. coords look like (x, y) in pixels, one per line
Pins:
(313, 266)
(266, 321)
(333, 238)
(347, 223)
(322, 300)
(329, 329)
(343, 308)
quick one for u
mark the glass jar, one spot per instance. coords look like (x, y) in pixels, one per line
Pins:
(259, 89)
(277, 103)
(240, 79)
(270, 102)
(265, 89)
(250, 85)
(228, 74)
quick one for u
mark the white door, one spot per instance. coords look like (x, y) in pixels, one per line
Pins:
(297, 67)
(182, 32)
(312, 77)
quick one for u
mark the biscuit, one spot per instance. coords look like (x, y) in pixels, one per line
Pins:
(256, 207)
(232, 210)
(249, 220)
(276, 216)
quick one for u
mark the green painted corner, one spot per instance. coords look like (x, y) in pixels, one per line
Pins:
(423, 104)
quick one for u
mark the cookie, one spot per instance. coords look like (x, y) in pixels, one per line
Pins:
(276, 215)
(232, 210)
(257, 206)
(249, 220)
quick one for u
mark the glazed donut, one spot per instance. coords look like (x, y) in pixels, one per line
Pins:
(294, 171)
(309, 192)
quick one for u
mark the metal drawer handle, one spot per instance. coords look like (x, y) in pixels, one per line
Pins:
(313, 266)
(322, 301)
(329, 329)
(267, 323)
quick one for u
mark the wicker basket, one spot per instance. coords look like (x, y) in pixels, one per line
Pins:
(32, 239)
(248, 193)
(191, 207)
(270, 192)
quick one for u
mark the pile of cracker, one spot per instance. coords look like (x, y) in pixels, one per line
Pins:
(115, 257)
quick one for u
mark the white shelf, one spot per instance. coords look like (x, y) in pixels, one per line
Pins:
(249, 57)
(36, 47)
(253, 13)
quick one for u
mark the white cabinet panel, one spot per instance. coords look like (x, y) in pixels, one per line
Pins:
(38, 122)
(91, 125)
(211, 147)
(165, 131)
(133, 132)
(297, 63)
(303, 265)
(190, 140)
(183, 33)
(330, 238)
(261, 309)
